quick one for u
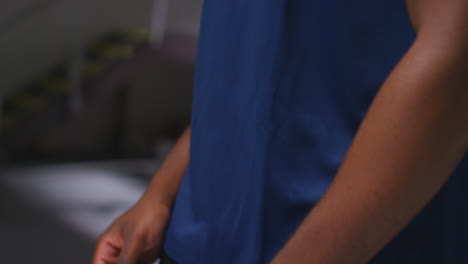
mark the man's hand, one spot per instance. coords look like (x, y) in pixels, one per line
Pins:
(135, 237)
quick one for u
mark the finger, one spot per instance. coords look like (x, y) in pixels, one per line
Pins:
(107, 250)
(131, 250)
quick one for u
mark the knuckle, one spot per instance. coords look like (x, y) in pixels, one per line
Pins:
(139, 233)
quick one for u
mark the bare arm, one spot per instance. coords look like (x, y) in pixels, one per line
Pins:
(137, 235)
(412, 138)
(166, 182)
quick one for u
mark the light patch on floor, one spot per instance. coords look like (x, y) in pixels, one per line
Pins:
(86, 197)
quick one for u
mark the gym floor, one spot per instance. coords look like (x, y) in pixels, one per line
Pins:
(53, 214)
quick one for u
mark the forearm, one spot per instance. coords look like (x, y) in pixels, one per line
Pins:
(412, 138)
(165, 184)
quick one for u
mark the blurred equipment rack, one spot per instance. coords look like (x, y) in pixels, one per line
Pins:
(30, 111)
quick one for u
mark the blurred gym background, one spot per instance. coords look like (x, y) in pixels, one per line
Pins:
(92, 96)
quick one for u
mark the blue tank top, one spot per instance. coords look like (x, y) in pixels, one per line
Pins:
(281, 89)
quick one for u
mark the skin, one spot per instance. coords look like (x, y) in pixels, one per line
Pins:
(412, 138)
(137, 236)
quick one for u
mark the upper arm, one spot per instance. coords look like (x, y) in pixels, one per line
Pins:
(441, 21)
(435, 69)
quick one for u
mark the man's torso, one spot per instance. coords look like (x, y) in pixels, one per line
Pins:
(281, 88)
